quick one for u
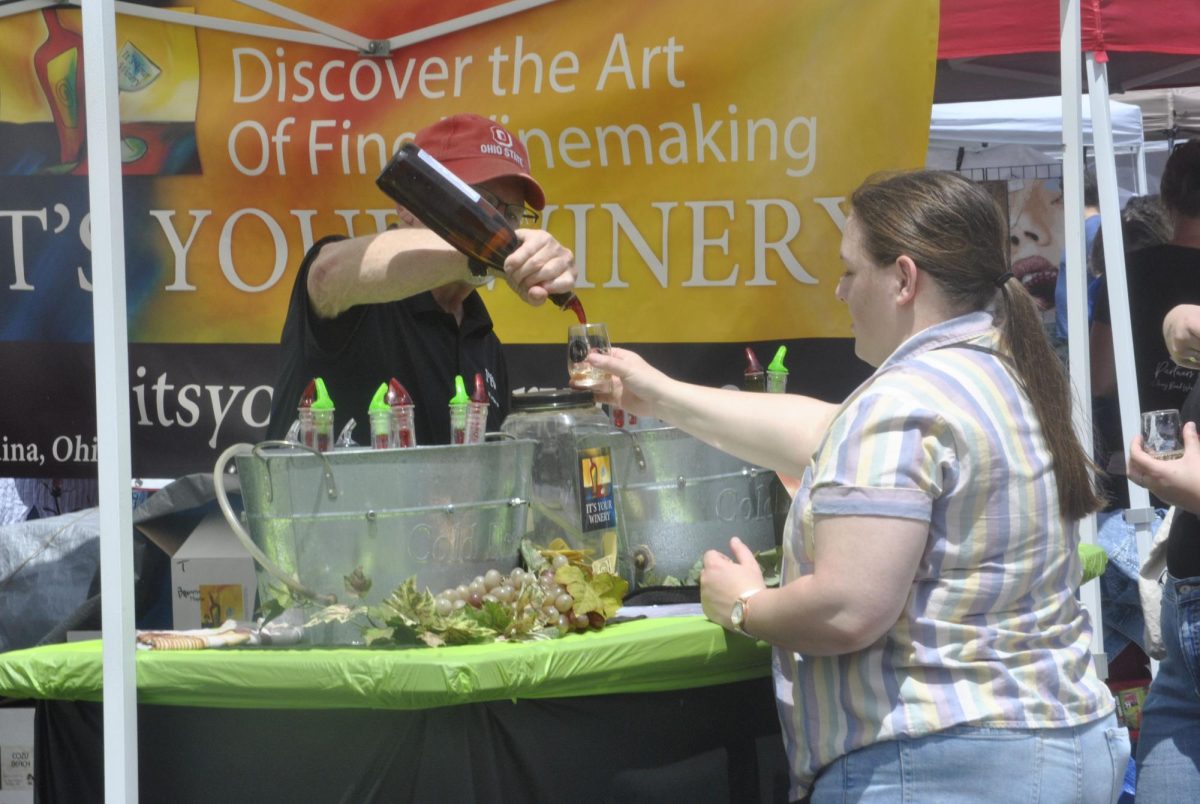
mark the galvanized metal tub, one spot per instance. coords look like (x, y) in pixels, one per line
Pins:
(678, 497)
(443, 514)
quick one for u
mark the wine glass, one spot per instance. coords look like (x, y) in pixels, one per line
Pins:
(582, 340)
(1162, 434)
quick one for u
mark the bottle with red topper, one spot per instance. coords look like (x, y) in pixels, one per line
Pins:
(391, 413)
(403, 426)
(755, 377)
(457, 213)
(477, 410)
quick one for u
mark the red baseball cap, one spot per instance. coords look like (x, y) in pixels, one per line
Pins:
(477, 149)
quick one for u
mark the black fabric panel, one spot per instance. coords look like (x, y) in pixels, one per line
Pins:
(717, 743)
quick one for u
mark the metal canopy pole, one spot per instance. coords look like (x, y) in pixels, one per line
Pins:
(1139, 514)
(111, 343)
(1077, 323)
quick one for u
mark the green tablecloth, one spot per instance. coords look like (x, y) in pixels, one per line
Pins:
(641, 656)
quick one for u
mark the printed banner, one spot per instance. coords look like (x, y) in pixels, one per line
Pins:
(696, 161)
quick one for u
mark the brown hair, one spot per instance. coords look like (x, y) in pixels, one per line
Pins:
(1144, 223)
(954, 232)
(1180, 183)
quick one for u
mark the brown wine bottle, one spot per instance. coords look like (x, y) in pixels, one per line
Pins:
(454, 210)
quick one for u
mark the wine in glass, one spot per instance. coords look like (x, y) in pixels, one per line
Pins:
(582, 340)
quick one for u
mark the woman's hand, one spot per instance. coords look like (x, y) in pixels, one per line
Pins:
(636, 385)
(724, 579)
(1178, 481)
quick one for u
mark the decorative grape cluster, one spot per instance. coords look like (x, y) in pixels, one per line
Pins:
(524, 594)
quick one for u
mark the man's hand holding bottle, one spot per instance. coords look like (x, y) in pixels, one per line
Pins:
(540, 266)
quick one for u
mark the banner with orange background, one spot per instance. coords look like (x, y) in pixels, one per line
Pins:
(695, 157)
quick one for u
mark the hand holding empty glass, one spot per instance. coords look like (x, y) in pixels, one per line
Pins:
(582, 340)
(1162, 435)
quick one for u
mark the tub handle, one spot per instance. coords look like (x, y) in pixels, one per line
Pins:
(235, 523)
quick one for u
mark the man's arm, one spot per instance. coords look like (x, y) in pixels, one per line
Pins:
(403, 262)
(388, 266)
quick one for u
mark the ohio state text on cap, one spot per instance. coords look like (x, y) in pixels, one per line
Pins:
(478, 149)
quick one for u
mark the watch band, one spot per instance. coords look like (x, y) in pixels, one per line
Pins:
(477, 266)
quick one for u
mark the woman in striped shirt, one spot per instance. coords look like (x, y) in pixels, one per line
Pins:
(929, 643)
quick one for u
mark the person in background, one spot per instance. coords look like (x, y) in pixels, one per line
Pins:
(403, 303)
(1168, 750)
(1145, 223)
(1091, 227)
(41, 497)
(1158, 278)
(929, 645)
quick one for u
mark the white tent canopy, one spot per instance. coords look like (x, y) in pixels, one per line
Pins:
(1029, 131)
(1034, 122)
(1167, 110)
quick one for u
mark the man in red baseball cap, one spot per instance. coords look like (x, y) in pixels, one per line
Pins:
(403, 303)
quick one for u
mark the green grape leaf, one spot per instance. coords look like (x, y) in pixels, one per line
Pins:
(532, 557)
(337, 613)
(601, 594)
(577, 586)
(771, 564)
(465, 631)
(611, 591)
(490, 615)
(378, 636)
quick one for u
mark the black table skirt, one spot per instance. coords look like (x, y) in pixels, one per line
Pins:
(717, 743)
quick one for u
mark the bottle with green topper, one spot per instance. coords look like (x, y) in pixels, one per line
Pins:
(777, 373)
(391, 413)
(468, 416)
(316, 416)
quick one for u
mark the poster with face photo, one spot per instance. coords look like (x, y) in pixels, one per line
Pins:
(1035, 237)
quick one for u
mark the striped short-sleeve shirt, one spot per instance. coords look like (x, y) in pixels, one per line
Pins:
(991, 633)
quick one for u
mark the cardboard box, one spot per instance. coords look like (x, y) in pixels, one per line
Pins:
(212, 576)
(16, 755)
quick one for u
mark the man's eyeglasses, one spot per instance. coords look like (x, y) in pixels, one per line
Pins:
(518, 215)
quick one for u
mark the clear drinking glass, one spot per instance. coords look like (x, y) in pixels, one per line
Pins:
(1162, 434)
(582, 340)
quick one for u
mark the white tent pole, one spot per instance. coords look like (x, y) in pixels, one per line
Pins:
(1140, 169)
(197, 21)
(1140, 514)
(466, 21)
(1077, 324)
(312, 23)
(111, 342)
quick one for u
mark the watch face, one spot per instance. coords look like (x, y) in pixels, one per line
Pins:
(738, 613)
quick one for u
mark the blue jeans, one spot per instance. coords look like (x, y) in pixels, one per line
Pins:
(1168, 755)
(1084, 764)
(1120, 604)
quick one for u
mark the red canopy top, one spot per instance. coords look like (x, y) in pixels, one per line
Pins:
(974, 28)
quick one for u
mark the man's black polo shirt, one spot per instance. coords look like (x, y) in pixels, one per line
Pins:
(413, 340)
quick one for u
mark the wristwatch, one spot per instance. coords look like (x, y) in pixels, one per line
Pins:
(741, 610)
